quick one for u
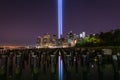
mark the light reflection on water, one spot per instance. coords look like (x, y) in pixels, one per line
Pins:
(60, 68)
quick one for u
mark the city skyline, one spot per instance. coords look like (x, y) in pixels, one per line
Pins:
(22, 21)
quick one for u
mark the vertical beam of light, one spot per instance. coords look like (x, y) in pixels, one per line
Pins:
(59, 18)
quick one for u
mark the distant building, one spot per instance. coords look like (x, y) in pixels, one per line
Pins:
(46, 40)
(70, 40)
(39, 42)
(82, 35)
(53, 40)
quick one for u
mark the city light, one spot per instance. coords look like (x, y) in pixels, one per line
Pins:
(60, 18)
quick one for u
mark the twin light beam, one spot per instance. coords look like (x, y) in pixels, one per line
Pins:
(60, 24)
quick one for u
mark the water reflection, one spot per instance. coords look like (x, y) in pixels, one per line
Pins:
(60, 68)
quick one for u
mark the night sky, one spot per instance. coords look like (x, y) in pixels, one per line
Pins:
(21, 21)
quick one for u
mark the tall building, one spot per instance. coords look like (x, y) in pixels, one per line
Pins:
(82, 35)
(54, 40)
(39, 41)
(46, 40)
